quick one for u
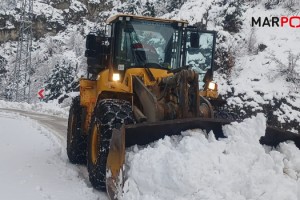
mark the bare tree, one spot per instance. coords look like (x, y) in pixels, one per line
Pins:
(292, 5)
(288, 70)
(252, 43)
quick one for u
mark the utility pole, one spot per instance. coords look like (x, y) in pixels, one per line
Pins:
(2, 71)
(22, 71)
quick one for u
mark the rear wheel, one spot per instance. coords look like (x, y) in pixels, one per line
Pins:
(108, 114)
(76, 140)
(206, 109)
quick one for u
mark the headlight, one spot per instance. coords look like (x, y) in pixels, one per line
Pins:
(116, 77)
(212, 86)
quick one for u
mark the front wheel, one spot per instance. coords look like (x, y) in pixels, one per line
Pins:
(108, 114)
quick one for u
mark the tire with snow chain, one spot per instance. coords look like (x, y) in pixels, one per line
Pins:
(76, 139)
(108, 114)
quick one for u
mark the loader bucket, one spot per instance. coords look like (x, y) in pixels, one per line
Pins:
(145, 133)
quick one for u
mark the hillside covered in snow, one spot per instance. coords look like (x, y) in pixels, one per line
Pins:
(257, 68)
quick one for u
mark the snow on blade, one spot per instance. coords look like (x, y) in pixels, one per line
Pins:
(197, 166)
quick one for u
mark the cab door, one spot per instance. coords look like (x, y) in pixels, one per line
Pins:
(200, 49)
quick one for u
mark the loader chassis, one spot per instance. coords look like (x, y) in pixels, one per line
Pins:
(147, 49)
(148, 70)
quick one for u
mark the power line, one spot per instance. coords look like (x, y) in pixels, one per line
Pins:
(22, 71)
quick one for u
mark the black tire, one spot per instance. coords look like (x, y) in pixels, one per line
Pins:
(76, 139)
(108, 114)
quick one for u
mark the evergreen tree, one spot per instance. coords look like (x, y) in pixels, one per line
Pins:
(232, 21)
(3, 76)
(150, 10)
(232, 11)
(131, 7)
(8, 4)
(174, 4)
(3, 62)
(61, 81)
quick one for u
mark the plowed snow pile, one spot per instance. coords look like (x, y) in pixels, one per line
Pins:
(197, 166)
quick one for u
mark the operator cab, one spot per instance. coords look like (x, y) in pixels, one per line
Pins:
(143, 42)
(146, 42)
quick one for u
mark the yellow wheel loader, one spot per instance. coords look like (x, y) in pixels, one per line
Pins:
(147, 78)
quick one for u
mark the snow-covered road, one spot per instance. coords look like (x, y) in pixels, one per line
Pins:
(57, 125)
(34, 165)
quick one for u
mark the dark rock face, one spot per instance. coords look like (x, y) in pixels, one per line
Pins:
(61, 4)
(95, 8)
(41, 26)
(71, 13)
(8, 28)
(11, 34)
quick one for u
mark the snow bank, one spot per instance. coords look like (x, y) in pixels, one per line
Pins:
(197, 166)
(46, 108)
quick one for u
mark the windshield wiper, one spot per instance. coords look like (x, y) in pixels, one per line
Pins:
(149, 65)
(179, 69)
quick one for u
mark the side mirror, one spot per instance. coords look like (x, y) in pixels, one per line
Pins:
(194, 40)
(97, 53)
(91, 45)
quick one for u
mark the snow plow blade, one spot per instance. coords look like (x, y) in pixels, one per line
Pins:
(145, 133)
(274, 136)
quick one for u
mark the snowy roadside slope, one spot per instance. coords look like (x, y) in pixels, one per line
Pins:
(262, 78)
(34, 165)
(198, 166)
(45, 108)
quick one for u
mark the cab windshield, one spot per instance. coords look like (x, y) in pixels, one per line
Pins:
(145, 43)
